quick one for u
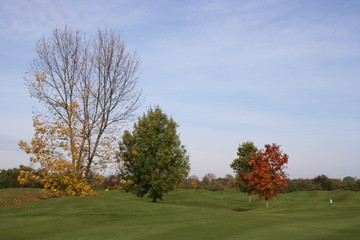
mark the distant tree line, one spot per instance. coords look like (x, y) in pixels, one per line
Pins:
(322, 183)
(8, 179)
(319, 183)
(209, 182)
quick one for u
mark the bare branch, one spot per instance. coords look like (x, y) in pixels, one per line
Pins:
(91, 83)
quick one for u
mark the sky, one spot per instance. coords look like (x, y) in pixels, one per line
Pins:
(271, 71)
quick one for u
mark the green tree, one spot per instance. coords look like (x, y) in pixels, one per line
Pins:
(153, 157)
(323, 183)
(349, 183)
(267, 179)
(241, 165)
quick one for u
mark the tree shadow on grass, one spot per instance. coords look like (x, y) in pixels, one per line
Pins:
(241, 209)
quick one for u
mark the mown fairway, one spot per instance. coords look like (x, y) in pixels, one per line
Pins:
(186, 214)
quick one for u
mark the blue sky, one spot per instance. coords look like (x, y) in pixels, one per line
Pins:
(277, 71)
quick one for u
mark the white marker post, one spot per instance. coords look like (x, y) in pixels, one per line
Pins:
(330, 201)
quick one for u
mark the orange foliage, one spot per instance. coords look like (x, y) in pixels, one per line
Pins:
(267, 177)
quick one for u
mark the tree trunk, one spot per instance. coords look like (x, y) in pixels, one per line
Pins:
(249, 198)
(267, 203)
(154, 200)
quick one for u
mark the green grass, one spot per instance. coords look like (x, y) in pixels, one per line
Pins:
(186, 214)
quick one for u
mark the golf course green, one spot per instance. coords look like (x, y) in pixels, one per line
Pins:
(186, 214)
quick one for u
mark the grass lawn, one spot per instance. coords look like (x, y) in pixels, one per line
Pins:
(186, 214)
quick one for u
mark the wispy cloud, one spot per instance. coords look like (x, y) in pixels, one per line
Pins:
(33, 19)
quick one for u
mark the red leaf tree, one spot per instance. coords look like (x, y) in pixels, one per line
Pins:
(267, 176)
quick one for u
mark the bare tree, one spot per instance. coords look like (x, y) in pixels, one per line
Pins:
(89, 85)
(208, 180)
